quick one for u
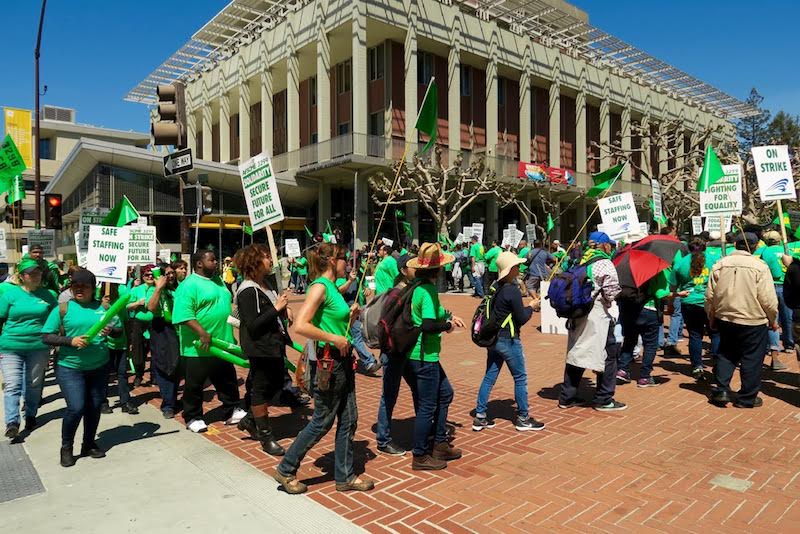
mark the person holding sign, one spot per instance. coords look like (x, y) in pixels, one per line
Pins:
(81, 365)
(23, 357)
(140, 321)
(201, 310)
(118, 350)
(164, 345)
(324, 318)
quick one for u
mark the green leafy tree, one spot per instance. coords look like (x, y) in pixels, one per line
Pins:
(785, 130)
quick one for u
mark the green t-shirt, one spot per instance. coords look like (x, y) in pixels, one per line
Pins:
(143, 292)
(120, 342)
(77, 321)
(476, 251)
(207, 301)
(523, 268)
(491, 257)
(425, 305)
(301, 265)
(772, 255)
(333, 315)
(23, 315)
(385, 273)
(695, 285)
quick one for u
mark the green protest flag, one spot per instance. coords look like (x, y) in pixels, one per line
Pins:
(399, 214)
(326, 237)
(797, 233)
(712, 170)
(11, 162)
(407, 229)
(786, 221)
(122, 214)
(308, 231)
(604, 180)
(247, 229)
(16, 191)
(550, 223)
(328, 226)
(428, 116)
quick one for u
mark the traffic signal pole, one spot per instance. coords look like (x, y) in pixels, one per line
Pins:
(37, 181)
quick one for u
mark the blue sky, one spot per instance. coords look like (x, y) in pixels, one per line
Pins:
(94, 51)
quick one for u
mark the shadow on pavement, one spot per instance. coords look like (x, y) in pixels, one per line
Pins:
(585, 389)
(129, 433)
(361, 455)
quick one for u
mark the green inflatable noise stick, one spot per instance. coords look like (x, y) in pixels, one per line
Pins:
(224, 355)
(111, 312)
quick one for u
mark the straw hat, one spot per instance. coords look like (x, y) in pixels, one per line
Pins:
(431, 256)
(505, 262)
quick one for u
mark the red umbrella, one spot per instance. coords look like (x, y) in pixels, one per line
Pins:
(641, 261)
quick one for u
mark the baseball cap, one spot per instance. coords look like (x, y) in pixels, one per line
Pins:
(601, 238)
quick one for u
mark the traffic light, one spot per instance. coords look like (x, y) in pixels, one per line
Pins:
(170, 129)
(13, 213)
(190, 199)
(52, 203)
(207, 199)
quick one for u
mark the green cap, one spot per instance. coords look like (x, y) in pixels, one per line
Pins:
(26, 264)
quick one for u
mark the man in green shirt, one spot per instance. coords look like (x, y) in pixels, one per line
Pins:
(523, 253)
(201, 309)
(477, 266)
(491, 259)
(386, 271)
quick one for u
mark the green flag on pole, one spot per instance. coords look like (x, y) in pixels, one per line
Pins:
(11, 162)
(328, 226)
(16, 190)
(122, 214)
(247, 229)
(308, 231)
(550, 223)
(407, 229)
(797, 233)
(712, 170)
(786, 221)
(427, 118)
(604, 180)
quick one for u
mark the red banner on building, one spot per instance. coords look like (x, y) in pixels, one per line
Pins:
(543, 173)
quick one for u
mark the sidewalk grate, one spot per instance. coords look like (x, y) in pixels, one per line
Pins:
(19, 477)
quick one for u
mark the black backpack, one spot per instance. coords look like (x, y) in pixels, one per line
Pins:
(485, 327)
(397, 333)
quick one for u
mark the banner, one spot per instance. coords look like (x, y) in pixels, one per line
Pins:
(89, 216)
(477, 230)
(658, 211)
(18, 126)
(697, 225)
(142, 245)
(293, 248)
(774, 172)
(3, 245)
(530, 233)
(712, 224)
(78, 252)
(543, 173)
(45, 238)
(261, 192)
(619, 216)
(107, 254)
(725, 196)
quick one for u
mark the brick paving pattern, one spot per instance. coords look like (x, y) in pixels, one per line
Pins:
(670, 463)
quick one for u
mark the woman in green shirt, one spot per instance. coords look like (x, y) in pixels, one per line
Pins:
(82, 364)
(434, 392)
(118, 351)
(139, 324)
(164, 345)
(324, 318)
(23, 356)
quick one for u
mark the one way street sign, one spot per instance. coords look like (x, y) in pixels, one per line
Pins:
(178, 162)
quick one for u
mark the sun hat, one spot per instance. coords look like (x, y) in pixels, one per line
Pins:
(505, 262)
(431, 256)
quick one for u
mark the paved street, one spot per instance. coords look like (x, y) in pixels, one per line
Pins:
(670, 463)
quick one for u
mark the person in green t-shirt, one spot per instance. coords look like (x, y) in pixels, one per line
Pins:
(118, 350)
(386, 271)
(477, 266)
(82, 363)
(164, 345)
(523, 253)
(434, 392)
(299, 274)
(324, 318)
(491, 259)
(139, 324)
(771, 255)
(23, 357)
(201, 309)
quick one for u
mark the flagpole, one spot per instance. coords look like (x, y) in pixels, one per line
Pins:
(722, 236)
(586, 223)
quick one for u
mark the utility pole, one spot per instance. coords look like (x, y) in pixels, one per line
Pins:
(37, 165)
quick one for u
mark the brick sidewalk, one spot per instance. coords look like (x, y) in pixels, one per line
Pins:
(671, 462)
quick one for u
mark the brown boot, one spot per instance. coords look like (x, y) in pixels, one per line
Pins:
(427, 463)
(445, 451)
(356, 484)
(290, 484)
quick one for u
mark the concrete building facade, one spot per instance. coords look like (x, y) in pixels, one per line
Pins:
(331, 89)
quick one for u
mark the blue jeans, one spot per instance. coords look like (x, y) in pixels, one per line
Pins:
(508, 350)
(394, 370)
(23, 375)
(638, 322)
(84, 392)
(168, 389)
(434, 397)
(476, 283)
(339, 401)
(365, 357)
(697, 324)
(675, 323)
(119, 363)
(785, 320)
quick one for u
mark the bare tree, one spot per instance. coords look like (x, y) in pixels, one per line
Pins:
(445, 190)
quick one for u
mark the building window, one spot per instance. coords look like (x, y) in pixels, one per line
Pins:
(44, 149)
(376, 123)
(424, 67)
(313, 91)
(343, 128)
(501, 91)
(375, 59)
(343, 76)
(466, 80)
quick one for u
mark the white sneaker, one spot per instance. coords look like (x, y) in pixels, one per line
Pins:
(238, 415)
(197, 425)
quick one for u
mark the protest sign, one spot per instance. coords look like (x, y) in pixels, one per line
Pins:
(467, 233)
(516, 237)
(3, 245)
(80, 253)
(261, 192)
(658, 210)
(386, 241)
(712, 224)
(142, 245)
(774, 172)
(89, 216)
(477, 230)
(725, 196)
(697, 225)
(506, 238)
(165, 255)
(293, 248)
(530, 232)
(46, 239)
(619, 216)
(107, 254)
(459, 239)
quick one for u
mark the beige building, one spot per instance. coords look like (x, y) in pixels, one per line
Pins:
(59, 133)
(331, 89)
